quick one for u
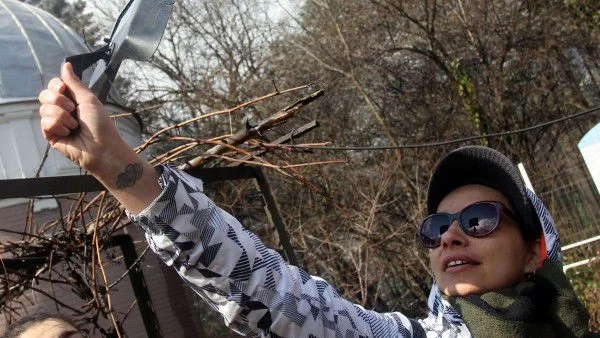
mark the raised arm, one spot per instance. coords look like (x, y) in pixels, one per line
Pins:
(254, 289)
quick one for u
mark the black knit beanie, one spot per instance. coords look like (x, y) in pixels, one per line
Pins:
(489, 167)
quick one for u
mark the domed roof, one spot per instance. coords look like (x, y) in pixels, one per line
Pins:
(33, 45)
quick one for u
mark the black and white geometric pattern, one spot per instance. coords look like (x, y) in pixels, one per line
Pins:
(549, 227)
(255, 290)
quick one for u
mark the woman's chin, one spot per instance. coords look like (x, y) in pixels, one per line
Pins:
(462, 289)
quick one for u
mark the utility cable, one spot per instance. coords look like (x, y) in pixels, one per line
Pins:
(448, 142)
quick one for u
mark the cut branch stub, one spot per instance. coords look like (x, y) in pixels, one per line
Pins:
(253, 131)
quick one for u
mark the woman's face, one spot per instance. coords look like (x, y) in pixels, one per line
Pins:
(493, 262)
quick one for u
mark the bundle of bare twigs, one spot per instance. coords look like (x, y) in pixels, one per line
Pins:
(74, 250)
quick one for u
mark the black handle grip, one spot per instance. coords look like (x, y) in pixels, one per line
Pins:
(73, 113)
(79, 64)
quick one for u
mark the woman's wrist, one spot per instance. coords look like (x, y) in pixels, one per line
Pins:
(132, 180)
(117, 169)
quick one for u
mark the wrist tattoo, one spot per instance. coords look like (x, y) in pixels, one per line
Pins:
(129, 176)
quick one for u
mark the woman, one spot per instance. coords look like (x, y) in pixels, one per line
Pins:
(497, 268)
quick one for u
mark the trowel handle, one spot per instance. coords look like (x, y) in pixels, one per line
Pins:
(73, 113)
(77, 69)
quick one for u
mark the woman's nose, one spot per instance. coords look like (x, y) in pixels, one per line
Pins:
(454, 236)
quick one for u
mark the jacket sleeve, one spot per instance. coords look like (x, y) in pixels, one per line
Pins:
(256, 292)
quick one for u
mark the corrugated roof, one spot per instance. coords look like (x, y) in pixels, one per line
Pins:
(33, 45)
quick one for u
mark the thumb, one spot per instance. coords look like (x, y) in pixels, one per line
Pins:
(80, 92)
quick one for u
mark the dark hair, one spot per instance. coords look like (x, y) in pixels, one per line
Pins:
(17, 328)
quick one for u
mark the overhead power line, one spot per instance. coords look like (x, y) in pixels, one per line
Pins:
(448, 142)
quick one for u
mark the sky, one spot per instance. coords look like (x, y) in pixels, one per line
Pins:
(289, 5)
(279, 8)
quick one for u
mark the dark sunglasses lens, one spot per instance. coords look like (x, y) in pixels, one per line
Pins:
(432, 228)
(480, 219)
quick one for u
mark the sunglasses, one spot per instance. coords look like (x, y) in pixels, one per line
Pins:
(478, 219)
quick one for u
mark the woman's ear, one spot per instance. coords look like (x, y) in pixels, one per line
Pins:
(533, 256)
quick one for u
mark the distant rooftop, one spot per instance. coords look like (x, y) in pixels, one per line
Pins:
(33, 45)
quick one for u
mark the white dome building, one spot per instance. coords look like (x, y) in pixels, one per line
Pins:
(33, 45)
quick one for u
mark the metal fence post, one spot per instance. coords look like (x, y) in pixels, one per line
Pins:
(274, 217)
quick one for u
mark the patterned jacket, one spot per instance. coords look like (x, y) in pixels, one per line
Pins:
(255, 290)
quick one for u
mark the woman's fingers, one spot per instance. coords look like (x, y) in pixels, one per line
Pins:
(57, 85)
(56, 121)
(59, 114)
(51, 128)
(52, 97)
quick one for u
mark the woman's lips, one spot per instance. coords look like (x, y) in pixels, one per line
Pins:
(460, 268)
(459, 263)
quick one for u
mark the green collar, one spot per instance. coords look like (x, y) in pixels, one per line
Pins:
(543, 306)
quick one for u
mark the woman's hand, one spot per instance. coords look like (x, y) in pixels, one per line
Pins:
(86, 140)
(92, 142)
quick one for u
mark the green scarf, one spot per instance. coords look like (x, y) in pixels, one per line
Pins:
(543, 306)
